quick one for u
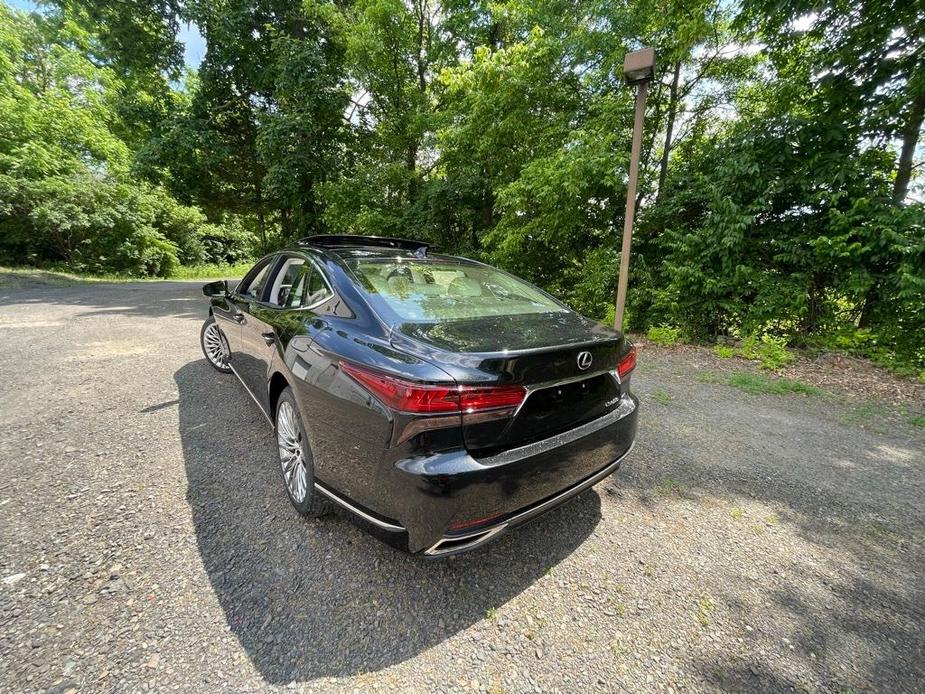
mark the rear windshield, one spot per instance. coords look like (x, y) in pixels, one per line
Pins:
(427, 290)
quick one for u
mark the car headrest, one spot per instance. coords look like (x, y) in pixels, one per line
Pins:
(464, 286)
(399, 285)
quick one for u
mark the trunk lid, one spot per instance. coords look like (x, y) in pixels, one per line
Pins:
(539, 352)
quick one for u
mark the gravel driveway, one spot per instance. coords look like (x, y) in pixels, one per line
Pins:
(751, 542)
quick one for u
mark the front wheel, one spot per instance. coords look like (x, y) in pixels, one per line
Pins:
(214, 345)
(295, 458)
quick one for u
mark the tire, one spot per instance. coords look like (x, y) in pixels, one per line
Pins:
(214, 345)
(296, 463)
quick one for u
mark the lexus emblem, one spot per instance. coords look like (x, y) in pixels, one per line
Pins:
(584, 360)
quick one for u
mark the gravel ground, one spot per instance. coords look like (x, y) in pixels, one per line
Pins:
(751, 542)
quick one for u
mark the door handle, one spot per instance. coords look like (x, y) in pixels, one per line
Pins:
(269, 338)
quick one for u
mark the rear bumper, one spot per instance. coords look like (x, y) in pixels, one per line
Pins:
(463, 542)
(453, 502)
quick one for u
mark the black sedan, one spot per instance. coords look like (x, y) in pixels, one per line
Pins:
(439, 400)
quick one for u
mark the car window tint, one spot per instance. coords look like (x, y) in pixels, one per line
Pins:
(289, 284)
(420, 290)
(252, 287)
(299, 280)
(317, 289)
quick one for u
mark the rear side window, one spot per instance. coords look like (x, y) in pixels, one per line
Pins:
(318, 290)
(289, 285)
(431, 290)
(298, 278)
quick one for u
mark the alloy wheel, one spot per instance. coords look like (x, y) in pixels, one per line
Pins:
(291, 452)
(214, 347)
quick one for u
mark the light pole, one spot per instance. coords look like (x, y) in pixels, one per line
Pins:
(638, 68)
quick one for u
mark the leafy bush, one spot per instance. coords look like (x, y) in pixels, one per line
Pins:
(98, 226)
(770, 351)
(665, 335)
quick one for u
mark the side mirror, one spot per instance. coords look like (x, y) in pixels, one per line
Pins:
(219, 288)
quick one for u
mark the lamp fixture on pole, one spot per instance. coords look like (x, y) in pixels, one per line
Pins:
(638, 69)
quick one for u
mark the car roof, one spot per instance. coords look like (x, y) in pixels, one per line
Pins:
(392, 254)
(364, 241)
(368, 248)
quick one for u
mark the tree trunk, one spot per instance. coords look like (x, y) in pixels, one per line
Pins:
(422, 9)
(669, 130)
(910, 135)
(488, 207)
(261, 221)
(411, 162)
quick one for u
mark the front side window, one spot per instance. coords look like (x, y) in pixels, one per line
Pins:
(298, 284)
(253, 284)
(429, 290)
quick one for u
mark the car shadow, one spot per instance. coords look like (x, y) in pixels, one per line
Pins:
(309, 599)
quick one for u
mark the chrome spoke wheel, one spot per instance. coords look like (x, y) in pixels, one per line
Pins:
(214, 347)
(291, 452)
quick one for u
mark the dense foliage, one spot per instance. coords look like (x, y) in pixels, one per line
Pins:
(778, 193)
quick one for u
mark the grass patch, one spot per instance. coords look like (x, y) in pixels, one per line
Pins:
(212, 272)
(23, 276)
(756, 384)
(917, 420)
(736, 512)
(708, 377)
(705, 611)
(669, 486)
(660, 396)
(491, 613)
(665, 335)
(62, 277)
(619, 648)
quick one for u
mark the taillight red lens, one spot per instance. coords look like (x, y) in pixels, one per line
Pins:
(627, 363)
(419, 398)
(404, 395)
(478, 398)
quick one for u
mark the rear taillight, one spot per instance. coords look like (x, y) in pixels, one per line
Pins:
(420, 398)
(627, 363)
(481, 398)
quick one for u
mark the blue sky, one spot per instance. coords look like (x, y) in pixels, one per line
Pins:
(194, 46)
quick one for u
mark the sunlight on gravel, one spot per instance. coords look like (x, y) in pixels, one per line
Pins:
(750, 543)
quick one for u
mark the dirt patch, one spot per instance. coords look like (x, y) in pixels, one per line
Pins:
(837, 373)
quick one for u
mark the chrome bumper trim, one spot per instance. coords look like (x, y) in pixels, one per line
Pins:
(626, 407)
(353, 509)
(480, 537)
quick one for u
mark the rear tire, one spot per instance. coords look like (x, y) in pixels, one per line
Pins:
(295, 459)
(214, 345)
